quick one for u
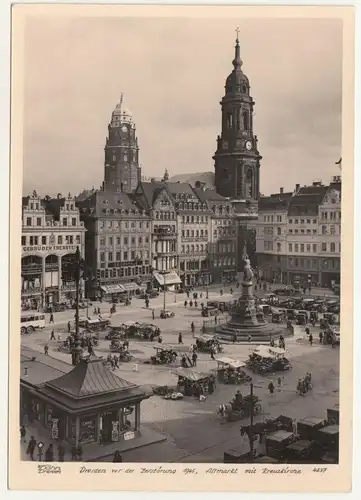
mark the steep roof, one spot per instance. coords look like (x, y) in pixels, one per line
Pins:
(307, 200)
(89, 378)
(278, 201)
(112, 200)
(209, 195)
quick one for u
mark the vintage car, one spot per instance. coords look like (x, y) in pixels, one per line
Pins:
(165, 313)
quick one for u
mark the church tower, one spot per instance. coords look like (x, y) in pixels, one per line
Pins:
(237, 160)
(121, 171)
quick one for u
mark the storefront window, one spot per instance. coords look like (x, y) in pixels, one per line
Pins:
(87, 431)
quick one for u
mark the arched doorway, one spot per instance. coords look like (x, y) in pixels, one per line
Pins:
(31, 282)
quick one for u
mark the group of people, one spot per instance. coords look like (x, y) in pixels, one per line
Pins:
(49, 455)
(305, 384)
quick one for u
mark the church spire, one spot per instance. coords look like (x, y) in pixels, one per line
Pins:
(237, 61)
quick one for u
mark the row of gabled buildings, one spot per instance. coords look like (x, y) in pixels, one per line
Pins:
(299, 234)
(163, 232)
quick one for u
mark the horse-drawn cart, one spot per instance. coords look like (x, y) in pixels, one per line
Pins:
(208, 343)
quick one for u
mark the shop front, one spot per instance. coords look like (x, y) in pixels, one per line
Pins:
(169, 280)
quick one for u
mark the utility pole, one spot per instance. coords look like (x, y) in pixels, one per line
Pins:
(77, 350)
(251, 442)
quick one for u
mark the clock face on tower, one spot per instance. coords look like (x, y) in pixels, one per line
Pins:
(124, 128)
(248, 145)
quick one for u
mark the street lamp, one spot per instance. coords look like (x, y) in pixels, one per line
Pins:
(77, 350)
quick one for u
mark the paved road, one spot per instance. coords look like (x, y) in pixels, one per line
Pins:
(194, 431)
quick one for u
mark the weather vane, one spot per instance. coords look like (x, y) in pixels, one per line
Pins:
(121, 98)
(237, 31)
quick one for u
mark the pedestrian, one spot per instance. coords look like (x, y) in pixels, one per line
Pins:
(321, 337)
(22, 434)
(200, 295)
(51, 320)
(46, 349)
(117, 457)
(255, 288)
(192, 327)
(52, 335)
(310, 339)
(212, 353)
(31, 447)
(190, 303)
(271, 388)
(234, 338)
(61, 451)
(185, 303)
(215, 319)
(231, 290)
(249, 338)
(116, 361)
(49, 454)
(194, 358)
(99, 307)
(279, 381)
(153, 315)
(180, 338)
(69, 326)
(195, 303)
(221, 292)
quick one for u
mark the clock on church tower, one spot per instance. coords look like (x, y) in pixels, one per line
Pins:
(237, 160)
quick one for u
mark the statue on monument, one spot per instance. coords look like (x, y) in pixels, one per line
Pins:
(247, 270)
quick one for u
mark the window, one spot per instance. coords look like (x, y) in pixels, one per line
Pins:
(110, 224)
(110, 256)
(73, 221)
(278, 247)
(28, 221)
(314, 248)
(302, 231)
(308, 221)
(43, 240)
(133, 241)
(125, 256)
(117, 256)
(302, 247)
(296, 221)
(332, 247)
(296, 231)
(296, 247)
(332, 230)
(118, 240)
(290, 231)
(77, 239)
(290, 247)
(65, 221)
(38, 221)
(314, 231)
(110, 241)
(23, 240)
(102, 242)
(308, 247)
(290, 221)
(60, 240)
(302, 221)
(102, 257)
(132, 255)
(324, 229)
(125, 240)
(314, 221)
(324, 247)
(278, 230)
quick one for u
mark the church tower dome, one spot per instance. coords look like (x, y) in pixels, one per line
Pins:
(121, 170)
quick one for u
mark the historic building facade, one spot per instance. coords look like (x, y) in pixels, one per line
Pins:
(51, 232)
(298, 234)
(237, 159)
(222, 236)
(118, 243)
(121, 171)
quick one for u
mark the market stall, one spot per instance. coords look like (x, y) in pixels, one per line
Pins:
(265, 359)
(229, 371)
(208, 343)
(192, 383)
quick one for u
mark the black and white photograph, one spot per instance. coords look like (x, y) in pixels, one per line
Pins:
(181, 222)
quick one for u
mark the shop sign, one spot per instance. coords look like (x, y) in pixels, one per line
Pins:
(129, 435)
(49, 248)
(115, 431)
(55, 428)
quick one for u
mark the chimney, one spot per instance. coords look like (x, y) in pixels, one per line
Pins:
(152, 179)
(25, 371)
(297, 187)
(281, 190)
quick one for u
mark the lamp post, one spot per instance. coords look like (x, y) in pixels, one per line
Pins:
(77, 350)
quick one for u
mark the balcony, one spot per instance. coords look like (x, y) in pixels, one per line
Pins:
(186, 239)
(68, 286)
(164, 232)
(31, 291)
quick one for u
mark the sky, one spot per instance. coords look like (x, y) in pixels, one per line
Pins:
(172, 73)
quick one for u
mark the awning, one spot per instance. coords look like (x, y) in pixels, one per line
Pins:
(190, 374)
(129, 287)
(170, 278)
(269, 352)
(233, 363)
(112, 288)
